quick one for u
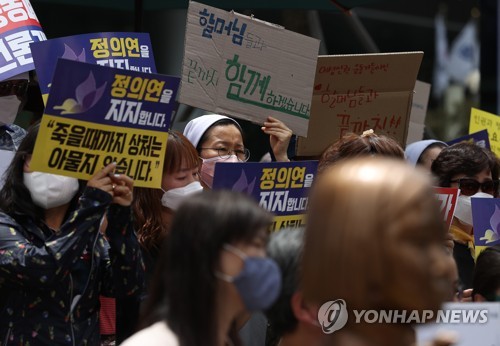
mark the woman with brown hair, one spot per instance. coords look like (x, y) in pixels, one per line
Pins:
(154, 208)
(153, 211)
(374, 239)
(354, 145)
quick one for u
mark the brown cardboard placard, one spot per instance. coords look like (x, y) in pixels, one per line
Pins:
(418, 112)
(247, 68)
(354, 93)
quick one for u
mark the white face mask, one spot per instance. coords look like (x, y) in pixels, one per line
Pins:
(50, 190)
(208, 168)
(9, 106)
(463, 211)
(174, 197)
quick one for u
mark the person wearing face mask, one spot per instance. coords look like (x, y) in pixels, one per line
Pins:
(153, 211)
(54, 260)
(213, 270)
(475, 171)
(218, 138)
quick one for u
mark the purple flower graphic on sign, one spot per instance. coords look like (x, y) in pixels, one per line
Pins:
(242, 184)
(491, 235)
(86, 96)
(71, 55)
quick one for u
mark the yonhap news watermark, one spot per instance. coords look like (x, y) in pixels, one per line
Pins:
(333, 315)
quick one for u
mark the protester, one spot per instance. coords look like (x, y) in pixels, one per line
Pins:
(486, 279)
(374, 239)
(474, 170)
(291, 320)
(154, 210)
(212, 271)
(218, 138)
(54, 260)
(354, 145)
(423, 153)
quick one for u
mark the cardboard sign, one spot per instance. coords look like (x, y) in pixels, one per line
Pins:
(354, 93)
(280, 187)
(418, 112)
(247, 68)
(124, 50)
(473, 323)
(447, 197)
(19, 27)
(481, 120)
(479, 138)
(486, 222)
(96, 115)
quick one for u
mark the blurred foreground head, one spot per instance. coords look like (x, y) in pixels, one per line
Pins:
(353, 145)
(374, 238)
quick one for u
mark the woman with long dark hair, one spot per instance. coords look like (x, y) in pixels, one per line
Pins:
(54, 262)
(213, 270)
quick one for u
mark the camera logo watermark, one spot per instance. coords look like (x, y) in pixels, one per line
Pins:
(333, 315)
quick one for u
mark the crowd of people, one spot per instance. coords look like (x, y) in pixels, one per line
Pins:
(187, 265)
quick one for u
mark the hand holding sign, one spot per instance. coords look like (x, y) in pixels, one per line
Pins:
(280, 136)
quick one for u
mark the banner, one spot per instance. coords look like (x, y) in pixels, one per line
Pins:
(481, 120)
(447, 197)
(472, 323)
(355, 93)
(247, 68)
(19, 27)
(280, 187)
(418, 112)
(486, 222)
(124, 50)
(479, 138)
(96, 115)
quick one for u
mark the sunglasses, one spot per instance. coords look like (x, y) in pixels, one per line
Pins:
(469, 186)
(16, 87)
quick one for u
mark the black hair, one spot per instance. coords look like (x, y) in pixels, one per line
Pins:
(15, 198)
(486, 279)
(222, 122)
(284, 247)
(463, 158)
(183, 292)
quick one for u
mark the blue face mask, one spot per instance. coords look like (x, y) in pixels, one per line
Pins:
(258, 283)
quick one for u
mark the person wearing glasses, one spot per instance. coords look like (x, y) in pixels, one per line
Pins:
(218, 138)
(474, 170)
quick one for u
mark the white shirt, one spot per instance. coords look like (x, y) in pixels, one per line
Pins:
(158, 334)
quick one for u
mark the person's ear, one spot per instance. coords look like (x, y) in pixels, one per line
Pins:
(26, 166)
(303, 311)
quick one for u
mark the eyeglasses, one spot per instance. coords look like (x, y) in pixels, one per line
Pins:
(469, 186)
(16, 87)
(225, 153)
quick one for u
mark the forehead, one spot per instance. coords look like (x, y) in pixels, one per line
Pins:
(484, 174)
(224, 133)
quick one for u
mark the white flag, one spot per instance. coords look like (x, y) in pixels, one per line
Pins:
(441, 78)
(464, 54)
